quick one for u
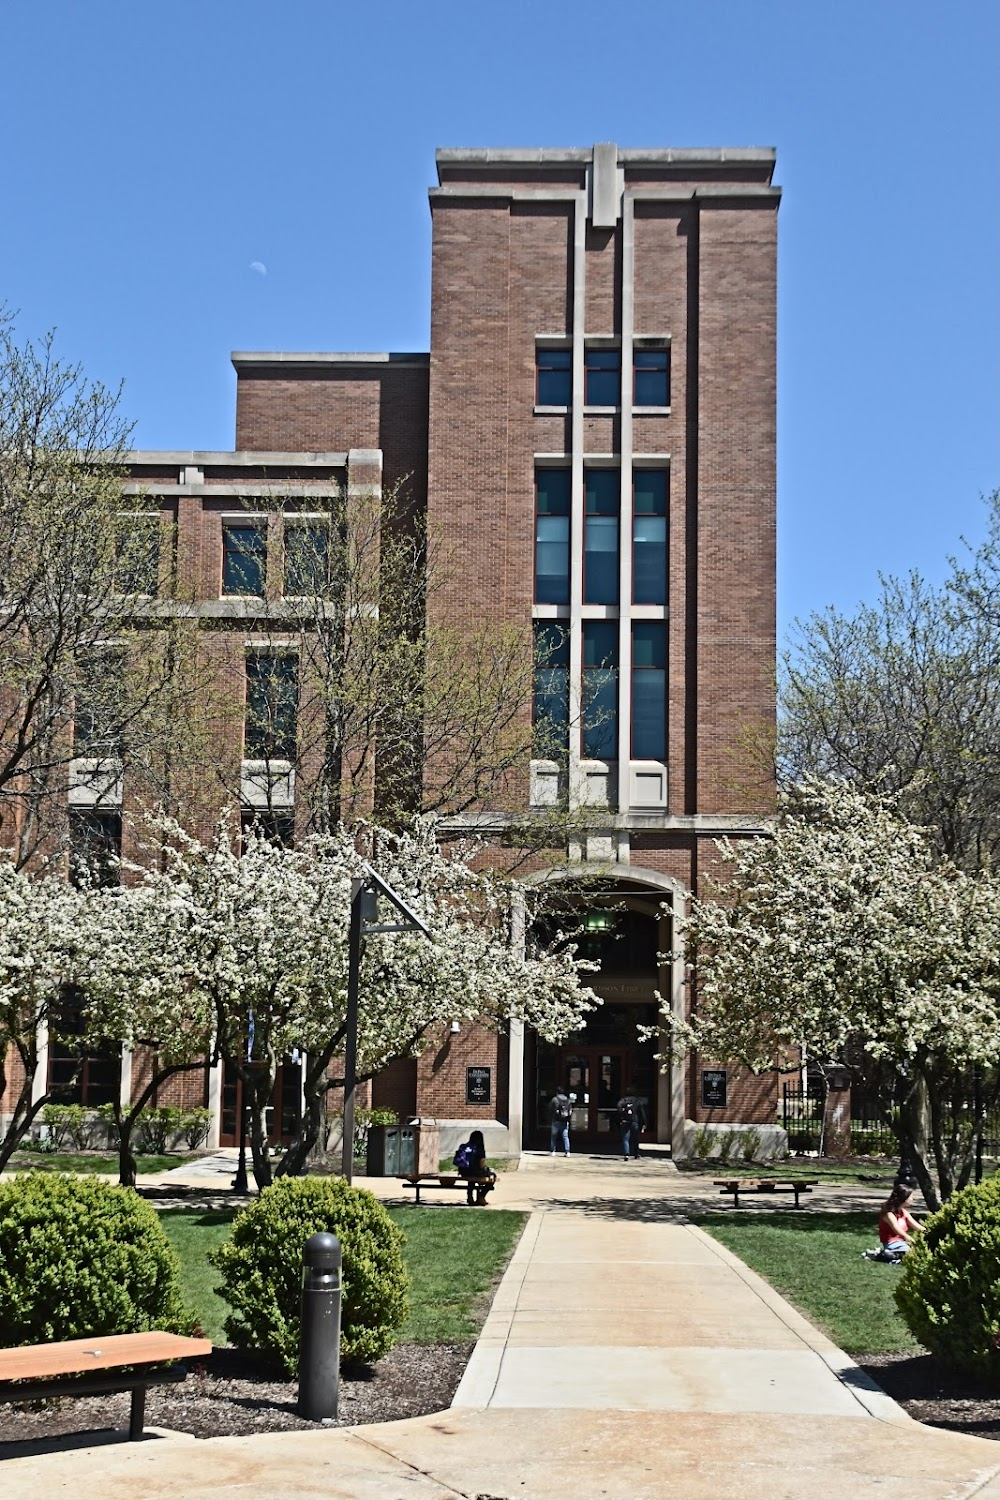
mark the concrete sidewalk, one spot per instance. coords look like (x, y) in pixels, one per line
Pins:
(627, 1356)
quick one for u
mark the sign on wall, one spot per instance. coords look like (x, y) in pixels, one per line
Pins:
(479, 1085)
(714, 1088)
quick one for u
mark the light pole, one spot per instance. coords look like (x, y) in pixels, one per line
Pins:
(365, 891)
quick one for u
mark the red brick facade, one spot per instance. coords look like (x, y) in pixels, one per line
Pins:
(677, 249)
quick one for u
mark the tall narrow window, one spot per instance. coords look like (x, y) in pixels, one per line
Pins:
(306, 559)
(600, 543)
(95, 847)
(552, 500)
(137, 565)
(100, 708)
(272, 706)
(551, 697)
(602, 383)
(649, 690)
(651, 377)
(649, 536)
(244, 559)
(600, 689)
(553, 377)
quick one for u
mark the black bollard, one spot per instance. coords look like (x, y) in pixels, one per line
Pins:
(319, 1331)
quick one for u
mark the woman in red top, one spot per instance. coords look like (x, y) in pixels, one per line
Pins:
(896, 1225)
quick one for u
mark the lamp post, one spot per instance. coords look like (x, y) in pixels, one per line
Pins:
(365, 891)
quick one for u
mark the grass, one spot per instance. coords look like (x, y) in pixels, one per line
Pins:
(814, 1260)
(88, 1161)
(454, 1259)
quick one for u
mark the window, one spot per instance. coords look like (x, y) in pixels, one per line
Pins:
(272, 706)
(137, 566)
(76, 1076)
(651, 377)
(244, 559)
(95, 847)
(554, 377)
(600, 537)
(649, 536)
(552, 500)
(98, 706)
(275, 827)
(649, 690)
(602, 377)
(600, 689)
(550, 710)
(307, 558)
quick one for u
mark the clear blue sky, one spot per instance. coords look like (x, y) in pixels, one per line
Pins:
(154, 152)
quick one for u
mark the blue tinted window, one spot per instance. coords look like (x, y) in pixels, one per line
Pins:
(552, 502)
(551, 695)
(600, 543)
(649, 690)
(244, 558)
(649, 536)
(603, 377)
(554, 368)
(651, 383)
(600, 689)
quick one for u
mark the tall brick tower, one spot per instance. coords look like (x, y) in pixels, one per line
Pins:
(602, 454)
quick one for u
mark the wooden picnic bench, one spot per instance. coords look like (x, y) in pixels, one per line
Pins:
(420, 1182)
(96, 1367)
(738, 1185)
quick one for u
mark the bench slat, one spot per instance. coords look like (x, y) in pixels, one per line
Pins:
(73, 1356)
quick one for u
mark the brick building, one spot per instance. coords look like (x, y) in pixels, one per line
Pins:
(594, 431)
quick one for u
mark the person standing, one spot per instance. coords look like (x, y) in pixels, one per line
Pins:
(631, 1123)
(560, 1114)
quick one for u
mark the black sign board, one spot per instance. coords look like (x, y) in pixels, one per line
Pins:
(714, 1088)
(478, 1085)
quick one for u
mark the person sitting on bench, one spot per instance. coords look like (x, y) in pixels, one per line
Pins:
(470, 1159)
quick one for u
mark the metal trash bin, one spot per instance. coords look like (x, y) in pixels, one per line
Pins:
(402, 1150)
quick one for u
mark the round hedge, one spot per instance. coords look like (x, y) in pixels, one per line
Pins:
(261, 1268)
(949, 1291)
(80, 1258)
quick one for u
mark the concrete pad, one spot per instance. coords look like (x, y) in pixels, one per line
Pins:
(714, 1328)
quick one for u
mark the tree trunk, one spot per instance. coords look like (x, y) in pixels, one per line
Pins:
(258, 1088)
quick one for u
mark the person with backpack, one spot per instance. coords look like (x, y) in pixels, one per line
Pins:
(470, 1159)
(560, 1114)
(631, 1123)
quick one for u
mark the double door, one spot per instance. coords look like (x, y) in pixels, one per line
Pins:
(283, 1112)
(595, 1079)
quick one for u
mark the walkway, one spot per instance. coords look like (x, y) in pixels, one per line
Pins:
(627, 1356)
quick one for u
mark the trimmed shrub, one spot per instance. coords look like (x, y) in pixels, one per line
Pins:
(80, 1258)
(71, 1125)
(261, 1268)
(949, 1290)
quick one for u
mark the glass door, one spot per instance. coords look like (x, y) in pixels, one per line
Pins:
(595, 1079)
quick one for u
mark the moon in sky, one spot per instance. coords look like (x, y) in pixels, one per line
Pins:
(259, 267)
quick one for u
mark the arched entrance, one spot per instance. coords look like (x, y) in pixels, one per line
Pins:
(626, 925)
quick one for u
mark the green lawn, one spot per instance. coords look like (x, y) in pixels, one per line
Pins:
(814, 1259)
(454, 1259)
(89, 1161)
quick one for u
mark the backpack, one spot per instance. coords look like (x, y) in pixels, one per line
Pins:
(563, 1113)
(626, 1111)
(465, 1157)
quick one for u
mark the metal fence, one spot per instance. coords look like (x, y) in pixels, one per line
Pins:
(801, 1113)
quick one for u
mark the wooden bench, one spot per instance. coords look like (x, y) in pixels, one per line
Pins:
(420, 1184)
(738, 1185)
(126, 1362)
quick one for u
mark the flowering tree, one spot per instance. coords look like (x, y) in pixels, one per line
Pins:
(844, 929)
(262, 944)
(139, 993)
(41, 958)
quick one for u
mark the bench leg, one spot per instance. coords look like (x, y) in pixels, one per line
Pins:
(137, 1420)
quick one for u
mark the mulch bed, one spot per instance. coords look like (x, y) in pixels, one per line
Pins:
(936, 1395)
(230, 1394)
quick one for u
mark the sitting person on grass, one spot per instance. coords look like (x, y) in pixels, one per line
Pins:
(470, 1159)
(896, 1224)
